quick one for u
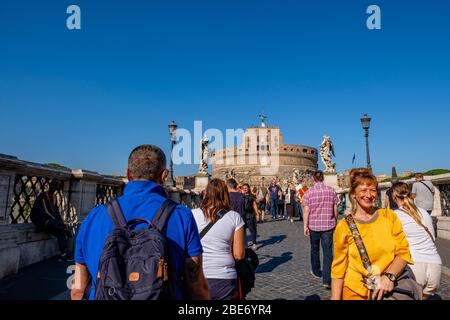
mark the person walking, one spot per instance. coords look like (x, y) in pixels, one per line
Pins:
(342, 205)
(251, 213)
(290, 203)
(423, 193)
(320, 216)
(370, 248)
(143, 200)
(301, 195)
(223, 240)
(236, 197)
(418, 227)
(273, 190)
(261, 203)
(389, 201)
(280, 204)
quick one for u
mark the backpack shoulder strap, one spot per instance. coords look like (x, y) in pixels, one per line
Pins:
(116, 213)
(220, 215)
(429, 189)
(164, 214)
(421, 224)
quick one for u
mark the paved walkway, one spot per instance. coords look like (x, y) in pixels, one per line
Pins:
(284, 271)
(41, 281)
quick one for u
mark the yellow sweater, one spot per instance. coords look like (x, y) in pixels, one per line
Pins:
(384, 240)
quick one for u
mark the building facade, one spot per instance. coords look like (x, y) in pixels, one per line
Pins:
(264, 156)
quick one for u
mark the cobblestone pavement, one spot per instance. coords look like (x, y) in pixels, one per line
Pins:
(284, 270)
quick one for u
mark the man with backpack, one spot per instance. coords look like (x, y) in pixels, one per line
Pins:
(141, 246)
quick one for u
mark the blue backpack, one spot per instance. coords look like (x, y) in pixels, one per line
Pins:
(135, 262)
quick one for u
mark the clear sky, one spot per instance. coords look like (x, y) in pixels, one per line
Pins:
(85, 98)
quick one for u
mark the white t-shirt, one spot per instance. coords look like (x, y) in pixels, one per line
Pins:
(218, 260)
(421, 246)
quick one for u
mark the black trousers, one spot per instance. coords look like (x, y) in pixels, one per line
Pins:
(251, 225)
(56, 229)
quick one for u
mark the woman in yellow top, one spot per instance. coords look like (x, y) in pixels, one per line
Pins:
(382, 234)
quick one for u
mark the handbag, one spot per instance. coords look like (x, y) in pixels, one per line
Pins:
(405, 288)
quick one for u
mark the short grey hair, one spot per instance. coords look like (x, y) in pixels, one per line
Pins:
(146, 162)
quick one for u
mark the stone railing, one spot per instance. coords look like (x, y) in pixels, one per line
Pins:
(441, 211)
(20, 183)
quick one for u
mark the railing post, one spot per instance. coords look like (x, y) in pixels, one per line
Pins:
(6, 191)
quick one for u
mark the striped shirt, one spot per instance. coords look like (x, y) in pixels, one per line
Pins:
(321, 200)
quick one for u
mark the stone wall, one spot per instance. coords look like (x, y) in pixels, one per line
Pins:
(21, 244)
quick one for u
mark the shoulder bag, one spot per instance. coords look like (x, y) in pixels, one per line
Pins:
(420, 224)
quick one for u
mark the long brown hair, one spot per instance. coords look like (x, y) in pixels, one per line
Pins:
(401, 190)
(216, 199)
(358, 176)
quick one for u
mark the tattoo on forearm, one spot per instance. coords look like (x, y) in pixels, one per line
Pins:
(193, 271)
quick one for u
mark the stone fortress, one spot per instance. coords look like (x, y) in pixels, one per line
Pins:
(263, 156)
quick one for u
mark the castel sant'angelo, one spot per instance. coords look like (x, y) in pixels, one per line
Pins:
(263, 156)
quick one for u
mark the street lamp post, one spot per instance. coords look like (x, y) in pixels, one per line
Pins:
(173, 138)
(365, 121)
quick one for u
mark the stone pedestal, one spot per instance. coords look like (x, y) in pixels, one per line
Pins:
(331, 180)
(201, 181)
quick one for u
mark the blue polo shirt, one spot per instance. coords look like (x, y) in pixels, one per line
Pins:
(141, 199)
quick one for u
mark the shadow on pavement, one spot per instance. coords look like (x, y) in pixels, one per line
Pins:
(271, 240)
(274, 262)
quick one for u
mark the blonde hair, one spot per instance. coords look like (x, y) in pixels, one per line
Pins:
(358, 176)
(401, 190)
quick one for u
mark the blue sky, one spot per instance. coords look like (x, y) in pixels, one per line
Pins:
(85, 98)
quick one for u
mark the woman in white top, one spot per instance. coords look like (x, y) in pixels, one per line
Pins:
(223, 244)
(418, 227)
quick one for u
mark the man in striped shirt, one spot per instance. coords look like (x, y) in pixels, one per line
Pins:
(320, 216)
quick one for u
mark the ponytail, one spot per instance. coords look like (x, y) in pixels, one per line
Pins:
(401, 191)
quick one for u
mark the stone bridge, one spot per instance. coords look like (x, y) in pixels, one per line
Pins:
(21, 181)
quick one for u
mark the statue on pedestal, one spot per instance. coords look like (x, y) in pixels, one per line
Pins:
(326, 152)
(204, 155)
(230, 174)
(295, 176)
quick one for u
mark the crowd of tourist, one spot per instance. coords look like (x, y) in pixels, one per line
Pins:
(369, 253)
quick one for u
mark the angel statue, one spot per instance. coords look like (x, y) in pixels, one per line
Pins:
(326, 152)
(204, 154)
(230, 174)
(295, 175)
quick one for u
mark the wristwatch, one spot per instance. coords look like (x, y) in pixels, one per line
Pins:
(391, 277)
